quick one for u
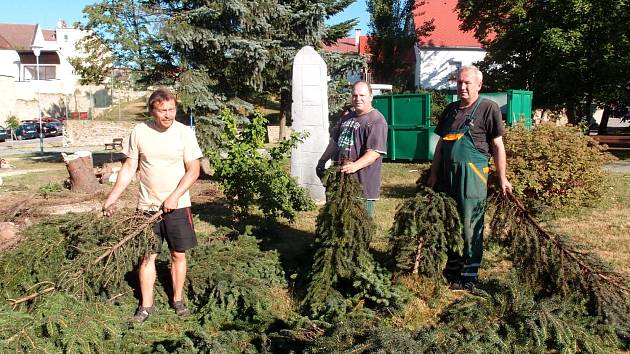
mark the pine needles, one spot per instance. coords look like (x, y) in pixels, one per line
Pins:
(344, 274)
(554, 265)
(88, 256)
(233, 289)
(102, 250)
(425, 228)
(511, 319)
(238, 286)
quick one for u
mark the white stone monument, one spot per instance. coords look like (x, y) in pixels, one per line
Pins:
(309, 112)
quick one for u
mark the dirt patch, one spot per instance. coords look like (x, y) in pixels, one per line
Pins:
(81, 207)
(9, 235)
(23, 208)
(12, 172)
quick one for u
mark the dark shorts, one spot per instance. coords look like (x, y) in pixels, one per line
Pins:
(177, 229)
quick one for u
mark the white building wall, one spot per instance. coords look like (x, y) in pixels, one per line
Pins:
(55, 96)
(7, 98)
(9, 63)
(67, 39)
(435, 66)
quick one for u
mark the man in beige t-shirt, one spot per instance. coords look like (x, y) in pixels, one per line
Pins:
(166, 155)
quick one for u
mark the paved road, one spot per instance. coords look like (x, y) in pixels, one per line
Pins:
(618, 167)
(17, 143)
(51, 145)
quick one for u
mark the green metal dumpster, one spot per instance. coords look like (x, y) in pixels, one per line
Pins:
(519, 108)
(410, 134)
(515, 105)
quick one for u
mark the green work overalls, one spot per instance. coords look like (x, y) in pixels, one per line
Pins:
(463, 176)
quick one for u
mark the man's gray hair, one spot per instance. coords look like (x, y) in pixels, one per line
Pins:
(474, 69)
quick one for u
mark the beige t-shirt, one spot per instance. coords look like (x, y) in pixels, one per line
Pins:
(161, 157)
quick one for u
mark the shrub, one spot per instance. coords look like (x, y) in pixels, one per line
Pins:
(12, 122)
(439, 101)
(554, 167)
(250, 177)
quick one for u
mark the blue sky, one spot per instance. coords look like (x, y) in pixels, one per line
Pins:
(44, 12)
(47, 12)
(357, 10)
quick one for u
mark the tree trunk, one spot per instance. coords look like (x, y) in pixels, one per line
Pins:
(603, 124)
(588, 109)
(418, 257)
(82, 178)
(285, 106)
(283, 125)
(572, 114)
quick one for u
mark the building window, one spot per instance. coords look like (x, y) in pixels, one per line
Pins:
(65, 38)
(46, 72)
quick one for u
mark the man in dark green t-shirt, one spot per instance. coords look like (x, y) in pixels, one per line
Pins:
(470, 132)
(358, 144)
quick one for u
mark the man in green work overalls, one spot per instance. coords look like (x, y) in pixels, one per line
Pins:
(470, 131)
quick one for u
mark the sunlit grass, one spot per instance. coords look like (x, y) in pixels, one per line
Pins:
(606, 229)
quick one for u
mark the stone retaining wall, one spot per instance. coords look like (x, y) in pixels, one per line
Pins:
(94, 132)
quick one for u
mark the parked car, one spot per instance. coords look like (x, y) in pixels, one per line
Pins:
(26, 131)
(58, 125)
(4, 134)
(49, 129)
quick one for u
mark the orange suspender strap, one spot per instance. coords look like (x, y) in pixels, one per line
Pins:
(452, 137)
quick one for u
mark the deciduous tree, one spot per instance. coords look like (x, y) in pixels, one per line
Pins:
(393, 34)
(570, 53)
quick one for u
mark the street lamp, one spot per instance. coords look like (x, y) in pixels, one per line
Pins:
(37, 51)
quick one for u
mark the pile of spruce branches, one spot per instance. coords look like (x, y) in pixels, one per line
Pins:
(232, 287)
(557, 296)
(344, 273)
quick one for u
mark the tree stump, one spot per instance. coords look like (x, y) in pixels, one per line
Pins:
(80, 169)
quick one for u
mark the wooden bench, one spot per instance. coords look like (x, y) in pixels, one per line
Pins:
(614, 141)
(116, 144)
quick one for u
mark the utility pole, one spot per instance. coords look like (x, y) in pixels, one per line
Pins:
(37, 51)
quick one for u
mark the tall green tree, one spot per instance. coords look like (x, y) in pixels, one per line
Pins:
(572, 53)
(222, 54)
(393, 34)
(95, 63)
(130, 29)
(232, 53)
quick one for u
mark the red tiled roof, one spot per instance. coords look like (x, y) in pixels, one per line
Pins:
(346, 45)
(343, 45)
(19, 36)
(4, 44)
(364, 47)
(49, 35)
(447, 32)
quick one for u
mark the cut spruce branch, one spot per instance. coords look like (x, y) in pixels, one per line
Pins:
(426, 227)
(15, 302)
(554, 264)
(344, 274)
(574, 255)
(99, 252)
(139, 229)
